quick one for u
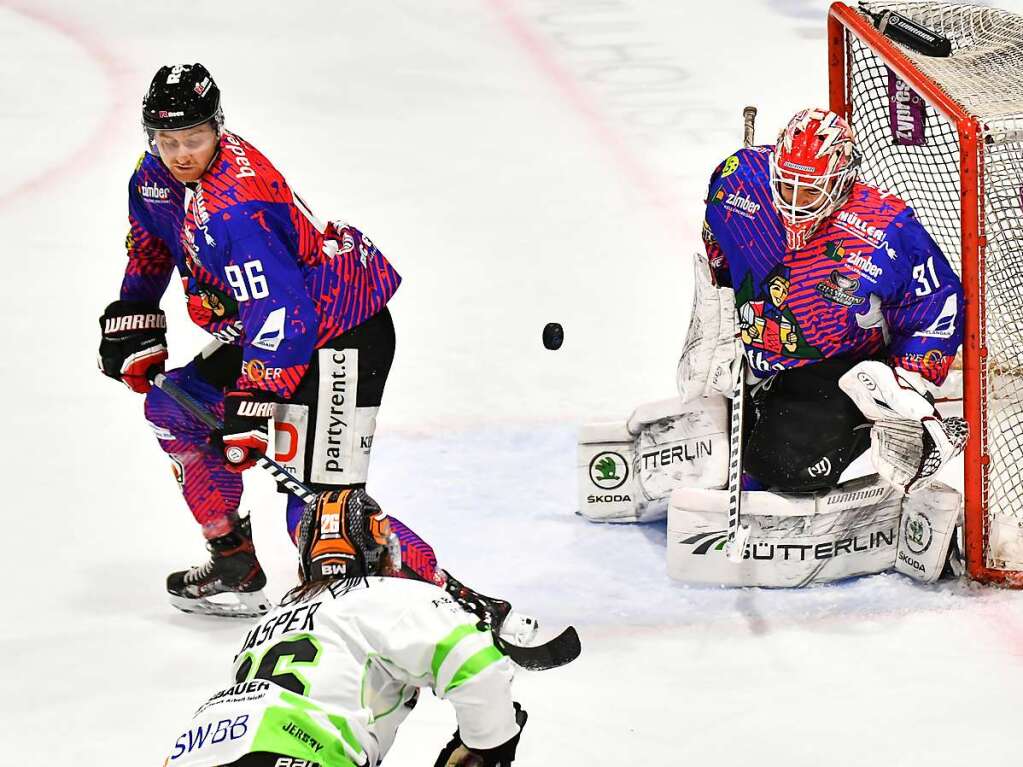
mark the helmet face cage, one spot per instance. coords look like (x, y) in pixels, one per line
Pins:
(816, 151)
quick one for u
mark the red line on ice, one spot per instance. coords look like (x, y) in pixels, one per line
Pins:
(103, 137)
(569, 87)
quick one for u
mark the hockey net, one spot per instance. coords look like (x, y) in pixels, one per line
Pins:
(946, 134)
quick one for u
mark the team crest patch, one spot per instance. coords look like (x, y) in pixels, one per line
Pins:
(731, 165)
(840, 289)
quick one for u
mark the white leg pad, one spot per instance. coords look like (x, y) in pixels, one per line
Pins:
(626, 472)
(795, 539)
(929, 519)
(678, 445)
(604, 467)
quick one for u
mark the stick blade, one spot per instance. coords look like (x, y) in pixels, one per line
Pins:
(563, 649)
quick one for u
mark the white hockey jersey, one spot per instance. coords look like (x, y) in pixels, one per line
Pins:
(330, 679)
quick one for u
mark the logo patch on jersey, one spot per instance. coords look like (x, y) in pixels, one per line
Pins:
(200, 215)
(731, 165)
(230, 333)
(944, 326)
(207, 304)
(835, 251)
(708, 234)
(178, 469)
(840, 289)
(257, 371)
(271, 333)
(864, 266)
(742, 204)
(234, 146)
(850, 222)
(717, 198)
(153, 193)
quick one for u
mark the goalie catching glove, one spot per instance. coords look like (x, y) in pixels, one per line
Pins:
(245, 436)
(134, 343)
(909, 441)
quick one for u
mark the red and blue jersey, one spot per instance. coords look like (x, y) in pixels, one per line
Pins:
(870, 283)
(258, 269)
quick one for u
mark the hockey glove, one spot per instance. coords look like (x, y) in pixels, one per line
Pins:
(245, 436)
(909, 441)
(134, 343)
(457, 754)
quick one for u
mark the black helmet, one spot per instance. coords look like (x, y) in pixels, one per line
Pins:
(181, 96)
(342, 534)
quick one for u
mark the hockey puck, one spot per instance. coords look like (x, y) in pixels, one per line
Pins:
(553, 335)
(234, 454)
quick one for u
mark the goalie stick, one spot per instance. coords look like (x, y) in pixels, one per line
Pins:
(418, 560)
(738, 534)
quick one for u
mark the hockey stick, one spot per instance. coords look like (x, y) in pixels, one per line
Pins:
(184, 399)
(738, 534)
(418, 558)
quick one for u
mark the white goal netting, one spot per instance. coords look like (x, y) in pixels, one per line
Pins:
(912, 148)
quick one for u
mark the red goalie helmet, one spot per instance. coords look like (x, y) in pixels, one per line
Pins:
(812, 172)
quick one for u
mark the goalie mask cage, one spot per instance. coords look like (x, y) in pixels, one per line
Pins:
(946, 135)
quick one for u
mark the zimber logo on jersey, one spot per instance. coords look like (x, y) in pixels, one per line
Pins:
(153, 193)
(742, 204)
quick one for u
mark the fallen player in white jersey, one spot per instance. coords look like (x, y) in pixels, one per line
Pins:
(327, 678)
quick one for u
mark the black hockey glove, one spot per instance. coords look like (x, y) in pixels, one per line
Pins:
(134, 343)
(245, 436)
(457, 754)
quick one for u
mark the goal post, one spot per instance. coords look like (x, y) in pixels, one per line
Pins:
(946, 135)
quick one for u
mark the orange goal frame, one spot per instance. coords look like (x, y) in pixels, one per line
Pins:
(842, 21)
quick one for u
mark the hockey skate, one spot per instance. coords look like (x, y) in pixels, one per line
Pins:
(229, 585)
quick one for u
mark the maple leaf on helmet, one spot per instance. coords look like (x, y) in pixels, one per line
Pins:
(813, 168)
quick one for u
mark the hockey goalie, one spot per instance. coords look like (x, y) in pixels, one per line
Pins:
(824, 317)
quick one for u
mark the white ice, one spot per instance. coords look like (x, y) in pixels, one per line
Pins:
(521, 162)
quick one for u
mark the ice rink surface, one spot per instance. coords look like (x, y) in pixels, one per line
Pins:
(520, 161)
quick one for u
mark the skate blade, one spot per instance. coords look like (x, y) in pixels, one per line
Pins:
(228, 604)
(519, 629)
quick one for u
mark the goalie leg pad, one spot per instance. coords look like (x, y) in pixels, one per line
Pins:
(929, 520)
(678, 445)
(626, 472)
(796, 539)
(605, 475)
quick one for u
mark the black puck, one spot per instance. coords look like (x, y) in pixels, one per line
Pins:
(553, 335)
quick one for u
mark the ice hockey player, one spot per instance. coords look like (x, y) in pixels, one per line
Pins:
(845, 314)
(828, 273)
(328, 677)
(298, 308)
